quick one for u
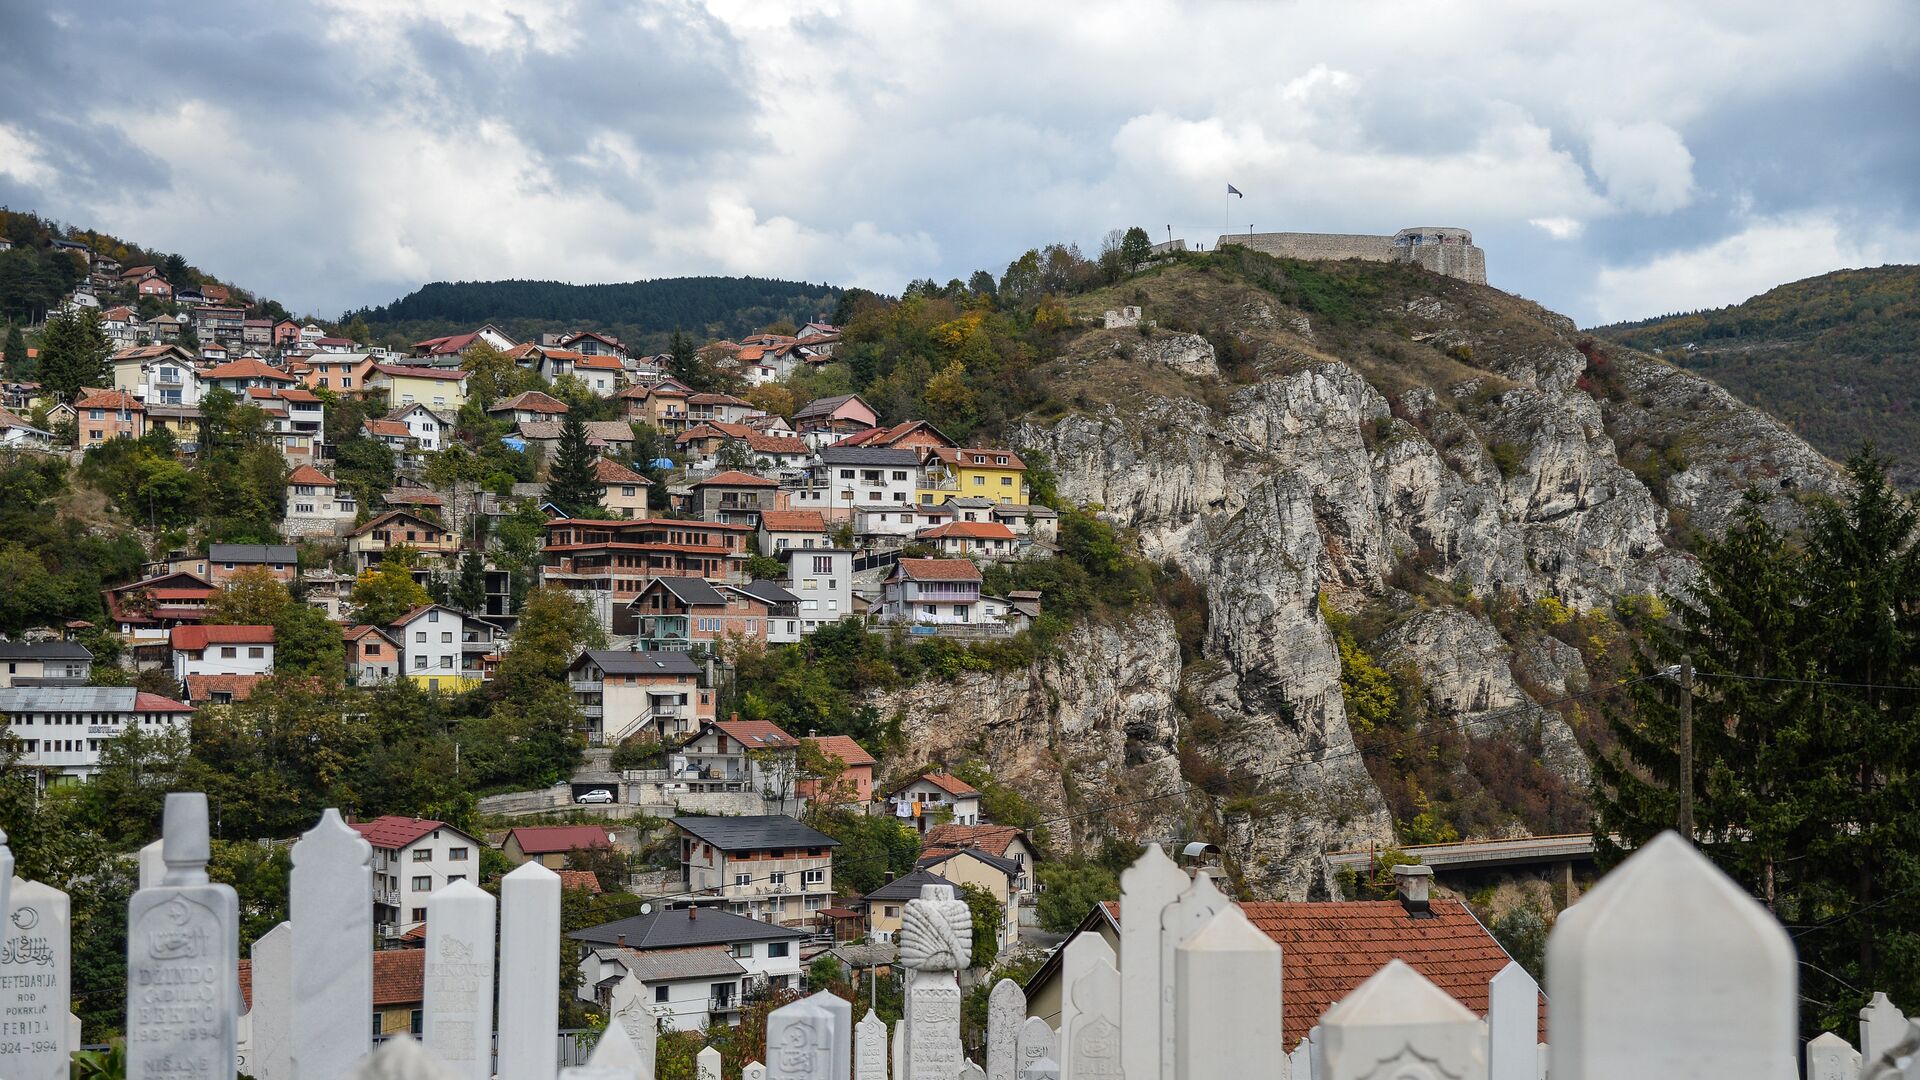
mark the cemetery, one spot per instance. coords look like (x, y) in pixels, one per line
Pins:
(1665, 969)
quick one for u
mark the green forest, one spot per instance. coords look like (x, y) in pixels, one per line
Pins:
(640, 313)
(1834, 356)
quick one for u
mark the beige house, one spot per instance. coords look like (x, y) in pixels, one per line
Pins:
(767, 867)
(884, 905)
(549, 845)
(999, 877)
(625, 493)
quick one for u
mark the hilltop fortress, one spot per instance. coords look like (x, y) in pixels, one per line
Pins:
(1443, 251)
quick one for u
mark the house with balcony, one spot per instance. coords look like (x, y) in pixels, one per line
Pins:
(411, 858)
(783, 609)
(528, 407)
(607, 563)
(662, 406)
(950, 473)
(686, 967)
(783, 529)
(144, 611)
(824, 421)
(342, 373)
(424, 426)
(238, 376)
(985, 541)
(940, 593)
(739, 756)
(933, 799)
(158, 374)
(1004, 842)
(370, 542)
(316, 505)
(62, 729)
(767, 867)
(439, 389)
(624, 693)
(682, 612)
(298, 418)
(860, 483)
(44, 663)
(734, 497)
(227, 561)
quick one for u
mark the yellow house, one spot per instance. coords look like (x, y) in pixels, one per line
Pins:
(885, 905)
(439, 389)
(949, 473)
(999, 877)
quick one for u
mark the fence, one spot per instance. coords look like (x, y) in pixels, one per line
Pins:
(1665, 970)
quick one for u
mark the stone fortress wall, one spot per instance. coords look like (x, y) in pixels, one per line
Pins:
(1442, 250)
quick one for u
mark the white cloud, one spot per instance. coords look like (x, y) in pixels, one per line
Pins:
(1645, 166)
(21, 159)
(1560, 228)
(1765, 253)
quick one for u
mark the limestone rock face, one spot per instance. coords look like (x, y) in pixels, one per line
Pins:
(1188, 354)
(1484, 459)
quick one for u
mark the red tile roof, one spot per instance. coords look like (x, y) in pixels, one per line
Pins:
(946, 782)
(404, 372)
(718, 399)
(246, 369)
(203, 687)
(444, 346)
(602, 363)
(736, 478)
(579, 879)
(307, 474)
(145, 702)
(964, 456)
(777, 444)
(531, 401)
(756, 734)
(992, 839)
(939, 570)
(842, 747)
(195, 638)
(109, 399)
(387, 427)
(969, 530)
(793, 521)
(395, 832)
(399, 976)
(608, 471)
(559, 839)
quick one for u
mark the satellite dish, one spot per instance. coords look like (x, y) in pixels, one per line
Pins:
(646, 909)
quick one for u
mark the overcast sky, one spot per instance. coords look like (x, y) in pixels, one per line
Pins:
(1616, 160)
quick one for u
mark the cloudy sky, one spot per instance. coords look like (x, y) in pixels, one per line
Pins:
(1616, 160)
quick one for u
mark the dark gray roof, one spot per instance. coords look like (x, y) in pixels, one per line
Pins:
(1005, 866)
(824, 406)
(680, 928)
(43, 650)
(667, 965)
(907, 886)
(253, 553)
(877, 954)
(868, 455)
(753, 833)
(645, 662)
(691, 591)
(768, 592)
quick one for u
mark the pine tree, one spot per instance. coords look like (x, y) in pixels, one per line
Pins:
(470, 588)
(683, 361)
(572, 485)
(1136, 247)
(18, 367)
(73, 353)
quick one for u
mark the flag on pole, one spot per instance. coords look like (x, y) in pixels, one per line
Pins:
(1231, 190)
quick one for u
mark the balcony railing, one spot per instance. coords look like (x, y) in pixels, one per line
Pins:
(723, 1005)
(389, 897)
(585, 686)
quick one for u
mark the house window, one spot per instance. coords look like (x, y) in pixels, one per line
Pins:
(420, 663)
(777, 879)
(423, 855)
(979, 481)
(815, 877)
(420, 636)
(446, 637)
(414, 1023)
(228, 652)
(423, 883)
(743, 880)
(256, 652)
(893, 911)
(659, 993)
(376, 1025)
(447, 661)
(432, 616)
(458, 854)
(777, 948)
(743, 951)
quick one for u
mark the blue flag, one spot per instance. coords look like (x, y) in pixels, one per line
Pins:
(1231, 190)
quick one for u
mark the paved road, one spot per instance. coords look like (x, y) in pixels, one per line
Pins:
(1477, 854)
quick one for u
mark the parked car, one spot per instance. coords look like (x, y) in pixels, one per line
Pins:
(597, 795)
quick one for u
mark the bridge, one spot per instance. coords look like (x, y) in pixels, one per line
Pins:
(1560, 851)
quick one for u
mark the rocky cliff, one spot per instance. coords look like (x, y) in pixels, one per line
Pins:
(1299, 439)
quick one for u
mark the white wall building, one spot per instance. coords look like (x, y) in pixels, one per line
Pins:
(823, 580)
(427, 429)
(430, 644)
(221, 650)
(63, 728)
(862, 483)
(679, 946)
(411, 858)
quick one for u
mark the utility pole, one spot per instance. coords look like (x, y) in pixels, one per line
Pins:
(1686, 748)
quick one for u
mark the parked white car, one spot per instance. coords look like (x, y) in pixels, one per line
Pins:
(597, 795)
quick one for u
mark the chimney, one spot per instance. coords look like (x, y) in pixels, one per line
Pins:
(1412, 883)
(693, 912)
(623, 941)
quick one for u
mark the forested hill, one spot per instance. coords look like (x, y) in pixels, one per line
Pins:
(637, 311)
(1835, 356)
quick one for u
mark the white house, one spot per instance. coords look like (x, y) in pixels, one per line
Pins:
(934, 799)
(822, 578)
(316, 505)
(671, 960)
(62, 728)
(430, 646)
(736, 755)
(875, 483)
(221, 650)
(425, 428)
(783, 529)
(766, 866)
(939, 592)
(44, 663)
(620, 693)
(411, 858)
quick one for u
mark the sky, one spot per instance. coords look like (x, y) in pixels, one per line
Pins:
(1616, 161)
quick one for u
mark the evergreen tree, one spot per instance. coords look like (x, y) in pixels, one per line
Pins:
(683, 361)
(572, 485)
(73, 353)
(18, 368)
(1136, 248)
(470, 588)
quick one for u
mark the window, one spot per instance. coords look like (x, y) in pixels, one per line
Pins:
(1006, 481)
(256, 652)
(893, 911)
(432, 616)
(777, 879)
(743, 880)
(420, 663)
(420, 636)
(458, 854)
(659, 993)
(423, 883)
(447, 661)
(376, 1024)
(777, 948)
(979, 481)
(451, 878)
(446, 637)
(743, 951)
(845, 474)
(823, 564)
(815, 877)
(228, 652)
(414, 1022)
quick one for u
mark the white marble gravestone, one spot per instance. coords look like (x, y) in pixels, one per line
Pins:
(800, 1041)
(270, 1020)
(1227, 1019)
(936, 940)
(1146, 888)
(36, 983)
(631, 1005)
(332, 956)
(899, 1044)
(970, 1070)
(1084, 953)
(1300, 1062)
(1044, 1069)
(613, 1058)
(530, 962)
(1830, 1057)
(458, 977)
(1092, 1040)
(1668, 968)
(870, 1048)
(183, 951)
(153, 867)
(841, 1012)
(1513, 1025)
(1188, 913)
(1397, 1024)
(706, 1064)
(6, 873)
(1006, 1011)
(400, 1058)
(753, 1070)
(1035, 1042)
(1881, 1025)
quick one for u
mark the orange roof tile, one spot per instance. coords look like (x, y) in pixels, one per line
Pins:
(756, 734)
(736, 478)
(203, 687)
(559, 839)
(992, 839)
(307, 474)
(969, 530)
(579, 879)
(395, 832)
(245, 369)
(793, 521)
(608, 471)
(777, 444)
(844, 748)
(109, 399)
(939, 570)
(195, 638)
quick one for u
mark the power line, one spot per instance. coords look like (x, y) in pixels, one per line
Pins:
(1801, 682)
